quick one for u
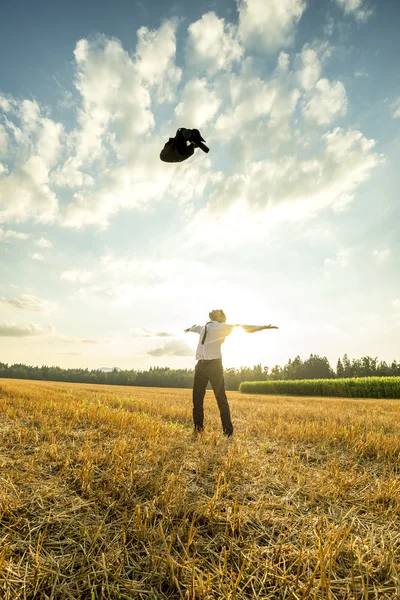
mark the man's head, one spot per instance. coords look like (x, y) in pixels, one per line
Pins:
(217, 315)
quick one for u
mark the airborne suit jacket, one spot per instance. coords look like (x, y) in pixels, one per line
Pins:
(177, 149)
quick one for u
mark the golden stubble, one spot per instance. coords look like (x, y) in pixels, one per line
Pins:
(104, 494)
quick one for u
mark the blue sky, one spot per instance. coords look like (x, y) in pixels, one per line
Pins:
(107, 254)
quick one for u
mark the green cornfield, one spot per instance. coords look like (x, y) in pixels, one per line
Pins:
(357, 387)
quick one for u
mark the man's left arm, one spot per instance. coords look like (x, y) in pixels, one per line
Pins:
(254, 328)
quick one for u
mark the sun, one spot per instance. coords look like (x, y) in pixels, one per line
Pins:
(245, 349)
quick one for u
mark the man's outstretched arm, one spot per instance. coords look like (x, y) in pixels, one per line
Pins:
(254, 328)
(194, 328)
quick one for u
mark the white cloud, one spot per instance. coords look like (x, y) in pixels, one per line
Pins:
(17, 330)
(115, 101)
(283, 61)
(36, 256)
(396, 108)
(253, 99)
(154, 271)
(144, 270)
(329, 26)
(356, 8)
(328, 100)
(396, 303)
(155, 60)
(70, 175)
(243, 205)
(213, 44)
(341, 259)
(174, 348)
(149, 333)
(10, 234)
(310, 68)
(25, 192)
(76, 275)
(125, 280)
(30, 115)
(49, 140)
(28, 302)
(3, 141)
(258, 118)
(268, 25)
(141, 182)
(382, 255)
(6, 103)
(43, 243)
(199, 104)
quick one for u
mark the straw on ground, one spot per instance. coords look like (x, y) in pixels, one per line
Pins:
(103, 494)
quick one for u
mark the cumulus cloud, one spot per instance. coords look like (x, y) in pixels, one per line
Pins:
(27, 302)
(71, 175)
(382, 255)
(114, 100)
(328, 100)
(76, 275)
(146, 332)
(126, 280)
(356, 8)
(309, 70)
(43, 243)
(253, 99)
(174, 348)
(396, 108)
(107, 162)
(64, 339)
(199, 104)
(3, 141)
(11, 234)
(6, 103)
(36, 256)
(341, 259)
(110, 162)
(155, 60)
(289, 188)
(362, 73)
(213, 44)
(147, 270)
(268, 25)
(18, 330)
(32, 147)
(144, 180)
(25, 193)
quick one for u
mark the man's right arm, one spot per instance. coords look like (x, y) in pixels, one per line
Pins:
(194, 329)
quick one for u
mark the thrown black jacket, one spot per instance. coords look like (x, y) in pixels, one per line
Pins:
(178, 149)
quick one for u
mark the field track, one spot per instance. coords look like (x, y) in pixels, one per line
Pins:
(104, 495)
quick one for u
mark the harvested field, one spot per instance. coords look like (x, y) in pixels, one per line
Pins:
(105, 495)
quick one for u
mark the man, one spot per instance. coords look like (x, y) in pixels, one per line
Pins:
(182, 146)
(209, 367)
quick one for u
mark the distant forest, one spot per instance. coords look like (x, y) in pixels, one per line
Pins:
(315, 367)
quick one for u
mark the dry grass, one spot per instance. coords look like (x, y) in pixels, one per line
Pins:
(104, 495)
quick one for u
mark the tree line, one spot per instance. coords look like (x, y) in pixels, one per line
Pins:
(315, 367)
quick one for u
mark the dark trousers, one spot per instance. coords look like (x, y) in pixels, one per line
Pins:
(210, 371)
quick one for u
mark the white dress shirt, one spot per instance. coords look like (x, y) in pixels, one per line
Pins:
(216, 334)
